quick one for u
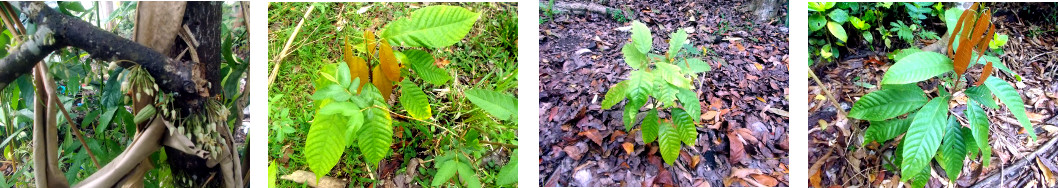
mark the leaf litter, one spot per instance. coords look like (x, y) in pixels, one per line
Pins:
(744, 99)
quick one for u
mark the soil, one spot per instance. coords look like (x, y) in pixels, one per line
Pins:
(840, 160)
(745, 94)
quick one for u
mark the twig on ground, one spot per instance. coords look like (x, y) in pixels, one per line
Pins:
(286, 47)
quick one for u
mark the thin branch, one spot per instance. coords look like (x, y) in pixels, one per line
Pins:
(512, 146)
(49, 86)
(837, 106)
(286, 47)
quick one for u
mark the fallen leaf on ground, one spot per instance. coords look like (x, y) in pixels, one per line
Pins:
(709, 115)
(737, 151)
(307, 178)
(592, 134)
(629, 147)
(765, 179)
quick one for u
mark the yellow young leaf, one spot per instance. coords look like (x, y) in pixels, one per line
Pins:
(384, 85)
(357, 66)
(390, 66)
(369, 43)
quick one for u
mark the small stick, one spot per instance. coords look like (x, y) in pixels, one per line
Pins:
(286, 47)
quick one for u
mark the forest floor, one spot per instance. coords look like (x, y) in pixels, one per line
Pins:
(746, 92)
(841, 161)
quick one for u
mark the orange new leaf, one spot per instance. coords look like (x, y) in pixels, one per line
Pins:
(384, 86)
(357, 66)
(390, 66)
(369, 44)
(984, 74)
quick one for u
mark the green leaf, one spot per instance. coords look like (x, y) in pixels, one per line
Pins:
(641, 37)
(839, 32)
(671, 74)
(640, 84)
(669, 141)
(414, 100)
(272, 170)
(839, 16)
(501, 105)
(820, 6)
(445, 172)
(629, 116)
(917, 67)
(685, 127)
(615, 95)
(920, 178)
(924, 136)
(676, 40)
(343, 75)
(423, 65)
(432, 26)
(982, 95)
(999, 41)
(321, 152)
(979, 129)
(951, 17)
(376, 135)
(635, 59)
(887, 103)
(468, 175)
(509, 172)
(649, 127)
(693, 66)
(900, 54)
(1010, 97)
(689, 100)
(665, 93)
(816, 22)
(859, 24)
(953, 150)
(882, 131)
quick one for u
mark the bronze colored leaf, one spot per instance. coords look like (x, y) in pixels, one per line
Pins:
(958, 28)
(981, 26)
(983, 45)
(384, 86)
(390, 66)
(629, 148)
(369, 44)
(984, 74)
(962, 57)
(357, 66)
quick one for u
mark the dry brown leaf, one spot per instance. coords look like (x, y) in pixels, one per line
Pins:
(758, 66)
(765, 179)
(629, 147)
(592, 134)
(709, 114)
(695, 160)
(739, 46)
(738, 153)
(815, 180)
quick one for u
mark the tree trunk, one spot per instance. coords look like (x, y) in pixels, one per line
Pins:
(763, 10)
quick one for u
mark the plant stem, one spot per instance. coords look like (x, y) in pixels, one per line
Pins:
(841, 111)
(512, 146)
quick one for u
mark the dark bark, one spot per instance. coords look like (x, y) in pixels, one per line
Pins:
(57, 30)
(203, 18)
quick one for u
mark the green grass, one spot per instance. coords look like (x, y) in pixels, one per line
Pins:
(486, 58)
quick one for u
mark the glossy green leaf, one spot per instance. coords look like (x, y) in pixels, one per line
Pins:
(816, 22)
(838, 32)
(423, 64)
(468, 175)
(640, 85)
(689, 100)
(839, 16)
(431, 26)
(917, 67)
(672, 75)
(649, 127)
(641, 37)
(376, 135)
(978, 120)
(952, 151)
(272, 170)
(693, 66)
(500, 105)
(887, 103)
(321, 152)
(635, 59)
(685, 127)
(999, 41)
(414, 100)
(1010, 97)
(820, 6)
(669, 142)
(629, 116)
(676, 40)
(982, 95)
(615, 95)
(924, 136)
(665, 93)
(882, 131)
(859, 24)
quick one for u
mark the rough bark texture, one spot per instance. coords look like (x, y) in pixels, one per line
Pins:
(56, 30)
(203, 18)
(764, 9)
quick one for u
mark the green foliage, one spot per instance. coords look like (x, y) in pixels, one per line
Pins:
(432, 26)
(930, 132)
(856, 23)
(500, 105)
(668, 80)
